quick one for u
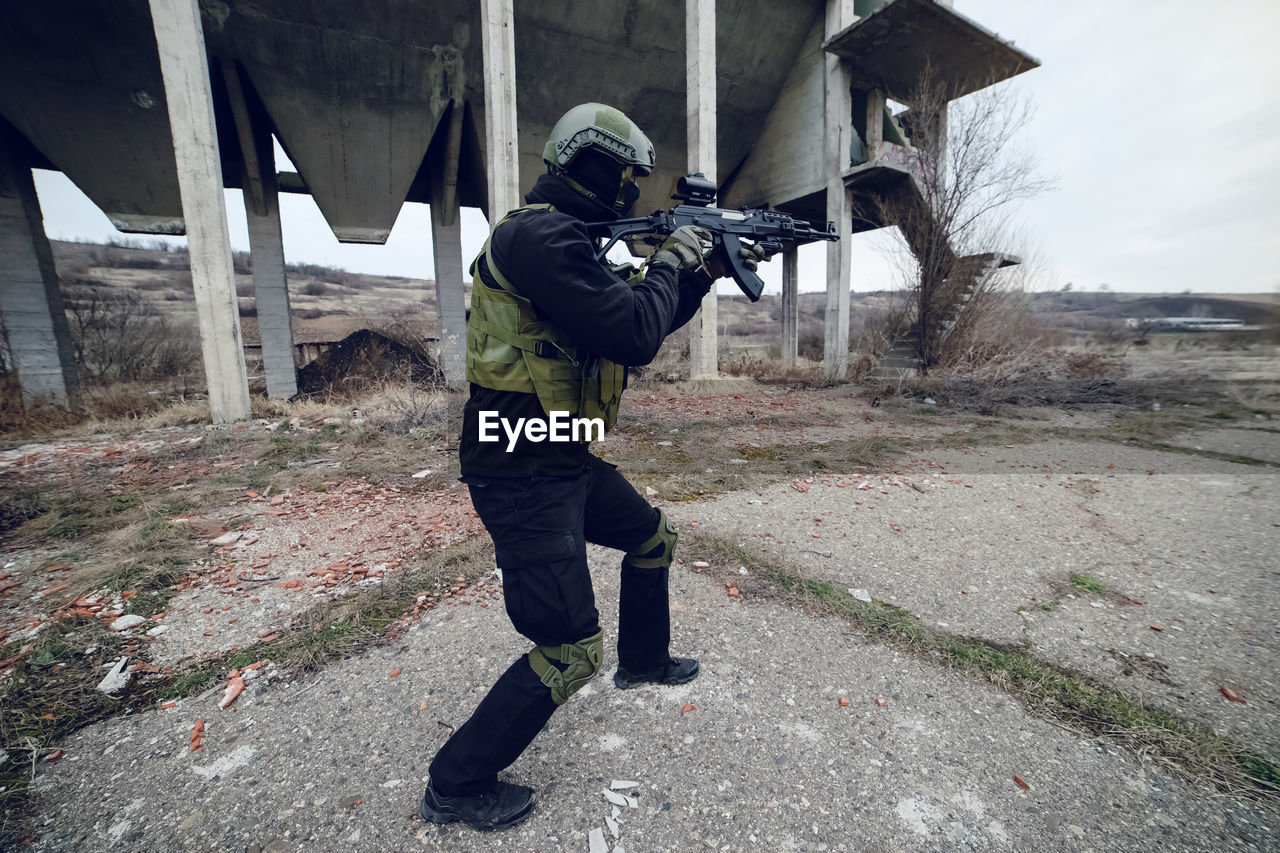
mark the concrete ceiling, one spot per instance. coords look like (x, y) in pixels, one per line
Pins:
(81, 81)
(362, 95)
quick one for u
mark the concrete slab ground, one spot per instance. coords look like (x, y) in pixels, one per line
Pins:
(1004, 543)
(1256, 442)
(768, 760)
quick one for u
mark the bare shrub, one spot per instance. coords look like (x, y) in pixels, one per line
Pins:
(809, 344)
(771, 371)
(998, 323)
(122, 401)
(1030, 377)
(315, 288)
(117, 336)
(403, 408)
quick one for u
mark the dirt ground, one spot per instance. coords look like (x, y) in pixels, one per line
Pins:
(1131, 543)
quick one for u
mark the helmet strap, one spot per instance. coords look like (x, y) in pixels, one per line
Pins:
(563, 174)
(620, 203)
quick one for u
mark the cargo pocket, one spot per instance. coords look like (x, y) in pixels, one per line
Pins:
(537, 550)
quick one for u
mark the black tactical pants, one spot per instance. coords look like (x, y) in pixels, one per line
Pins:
(540, 527)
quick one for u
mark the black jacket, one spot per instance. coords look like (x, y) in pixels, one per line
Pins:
(550, 259)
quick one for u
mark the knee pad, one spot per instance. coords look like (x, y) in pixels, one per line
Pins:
(581, 662)
(658, 550)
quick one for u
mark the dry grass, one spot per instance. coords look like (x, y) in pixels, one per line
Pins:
(44, 704)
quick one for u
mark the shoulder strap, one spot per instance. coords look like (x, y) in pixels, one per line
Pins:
(498, 276)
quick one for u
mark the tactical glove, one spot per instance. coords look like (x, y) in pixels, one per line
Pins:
(751, 257)
(754, 254)
(685, 248)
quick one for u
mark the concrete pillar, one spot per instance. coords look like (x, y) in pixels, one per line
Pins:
(271, 294)
(183, 65)
(446, 249)
(790, 307)
(875, 122)
(502, 154)
(30, 300)
(700, 133)
(838, 133)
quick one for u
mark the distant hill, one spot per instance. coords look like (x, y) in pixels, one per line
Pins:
(329, 303)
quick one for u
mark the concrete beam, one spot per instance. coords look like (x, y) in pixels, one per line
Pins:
(446, 250)
(790, 307)
(502, 153)
(256, 150)
(30, 301)
(838, 131)
(180, 42)
(700, 68)
(892, 46)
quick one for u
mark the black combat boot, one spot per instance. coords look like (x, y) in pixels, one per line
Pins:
(675, 671)
(502, 808)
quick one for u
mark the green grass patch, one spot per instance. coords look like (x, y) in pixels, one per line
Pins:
(1042, 687)
(1087, 582)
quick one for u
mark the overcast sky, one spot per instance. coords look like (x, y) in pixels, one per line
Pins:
(1159, 119)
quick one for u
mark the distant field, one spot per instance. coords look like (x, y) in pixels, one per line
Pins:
(329, 303)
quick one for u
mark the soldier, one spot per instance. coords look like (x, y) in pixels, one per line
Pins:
(553, 330)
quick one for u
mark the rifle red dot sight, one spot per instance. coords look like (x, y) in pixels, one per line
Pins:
(696, 190)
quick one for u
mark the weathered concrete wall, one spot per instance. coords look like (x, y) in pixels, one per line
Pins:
(30, 301)
(634, 53)
(786, 162)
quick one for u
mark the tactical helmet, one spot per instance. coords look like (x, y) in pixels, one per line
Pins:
(604, 129)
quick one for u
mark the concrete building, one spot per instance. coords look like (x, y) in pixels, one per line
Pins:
(153, 107)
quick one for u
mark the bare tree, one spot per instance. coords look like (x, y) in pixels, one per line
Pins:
(965, 178)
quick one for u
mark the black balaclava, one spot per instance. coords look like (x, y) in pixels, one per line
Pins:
(604, 181)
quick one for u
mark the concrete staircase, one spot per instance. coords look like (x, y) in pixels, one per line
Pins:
(968, 275)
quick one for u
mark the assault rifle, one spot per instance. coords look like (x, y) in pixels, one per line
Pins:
(771, 228)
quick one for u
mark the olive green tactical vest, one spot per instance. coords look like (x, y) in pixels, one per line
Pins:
(510, 348)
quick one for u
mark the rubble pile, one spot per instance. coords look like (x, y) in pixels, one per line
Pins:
(367, 356)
